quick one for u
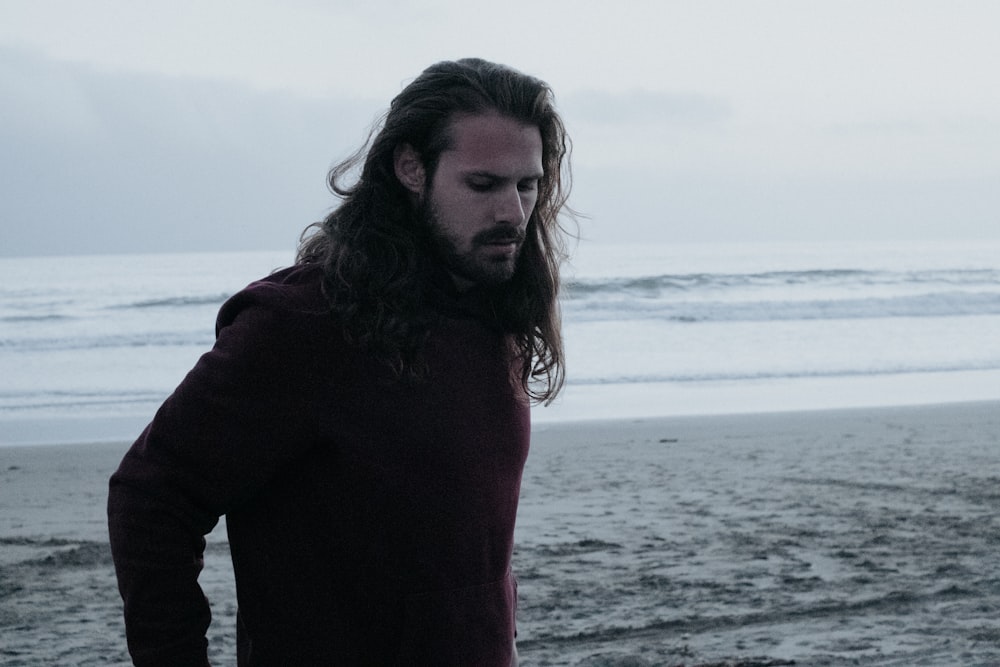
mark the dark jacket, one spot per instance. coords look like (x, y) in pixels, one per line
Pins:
(370, 520)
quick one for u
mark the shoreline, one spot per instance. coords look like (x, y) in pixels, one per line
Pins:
(544, 424)
(580, 402)
(625, 401)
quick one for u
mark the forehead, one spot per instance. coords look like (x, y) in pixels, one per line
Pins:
(494, 143)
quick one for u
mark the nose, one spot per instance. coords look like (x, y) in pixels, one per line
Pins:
(510, 208)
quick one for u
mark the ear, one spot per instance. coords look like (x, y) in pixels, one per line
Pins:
(409, 168)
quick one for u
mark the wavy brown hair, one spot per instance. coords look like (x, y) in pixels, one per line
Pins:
(377, 258)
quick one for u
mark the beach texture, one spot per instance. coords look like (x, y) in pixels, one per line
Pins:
(848, 537)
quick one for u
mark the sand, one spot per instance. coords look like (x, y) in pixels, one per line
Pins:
(847, 537)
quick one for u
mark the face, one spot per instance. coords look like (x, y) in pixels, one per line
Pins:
(481, 196)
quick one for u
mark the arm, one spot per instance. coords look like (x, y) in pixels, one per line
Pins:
(158, 556)
(215, 442)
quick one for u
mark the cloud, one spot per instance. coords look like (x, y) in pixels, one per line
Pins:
(646, 107)
(650, 205)
(100, 161)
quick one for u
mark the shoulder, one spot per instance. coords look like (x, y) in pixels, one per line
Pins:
(283, 315)
(294, 293)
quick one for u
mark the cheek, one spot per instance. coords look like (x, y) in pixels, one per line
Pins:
(528, 203)
(455, 204)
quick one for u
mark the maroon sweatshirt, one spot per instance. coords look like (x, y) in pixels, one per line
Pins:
(370, 520)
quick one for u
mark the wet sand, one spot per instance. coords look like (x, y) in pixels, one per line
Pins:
(848, 537)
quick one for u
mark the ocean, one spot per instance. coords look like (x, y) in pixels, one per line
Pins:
(830, 538)
(91, 345)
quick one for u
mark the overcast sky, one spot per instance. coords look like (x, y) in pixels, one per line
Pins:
(199, 125)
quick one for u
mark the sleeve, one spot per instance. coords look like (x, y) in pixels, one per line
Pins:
(231, 424)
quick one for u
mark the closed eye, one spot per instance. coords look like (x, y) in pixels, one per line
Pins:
(481, 184)
(487, 183)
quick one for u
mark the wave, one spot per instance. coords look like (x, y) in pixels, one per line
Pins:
(797, 374)
(203, 339)
(16, 319)
(785, 295)
(618, 309)
(694, 281)
(933, 304)
(175, 302)
(73, 400)
(851, 278)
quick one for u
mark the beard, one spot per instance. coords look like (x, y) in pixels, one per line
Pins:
(475, 265)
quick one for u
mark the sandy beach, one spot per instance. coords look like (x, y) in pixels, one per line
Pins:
(842, 537)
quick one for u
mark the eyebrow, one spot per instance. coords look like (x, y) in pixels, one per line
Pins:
(483, 173)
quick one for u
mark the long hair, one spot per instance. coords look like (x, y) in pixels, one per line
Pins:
(377, 265)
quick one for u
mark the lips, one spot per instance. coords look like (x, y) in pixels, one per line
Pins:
(500, 237)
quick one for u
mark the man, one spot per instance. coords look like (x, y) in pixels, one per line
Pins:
(362, 420)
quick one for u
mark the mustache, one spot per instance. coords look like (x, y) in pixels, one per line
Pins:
(500, 235)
